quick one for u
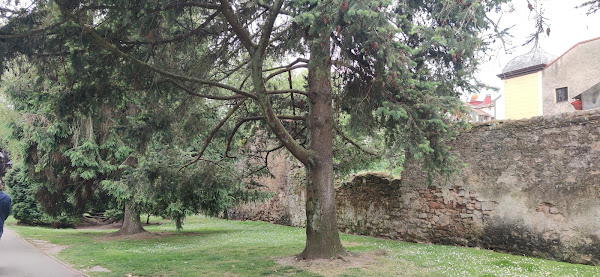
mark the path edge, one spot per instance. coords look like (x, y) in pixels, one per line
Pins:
(54, 258)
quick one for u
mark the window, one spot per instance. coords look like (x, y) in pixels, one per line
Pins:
(562, 94)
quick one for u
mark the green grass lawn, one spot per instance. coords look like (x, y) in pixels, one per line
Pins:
(214, 247)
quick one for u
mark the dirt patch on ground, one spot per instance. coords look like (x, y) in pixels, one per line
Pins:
(115, 225)
(335, 267)
(47, 247)
(145, 236)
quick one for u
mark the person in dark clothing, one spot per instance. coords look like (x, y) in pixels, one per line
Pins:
(4, 208)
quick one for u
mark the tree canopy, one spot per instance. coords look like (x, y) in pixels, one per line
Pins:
(386, 71)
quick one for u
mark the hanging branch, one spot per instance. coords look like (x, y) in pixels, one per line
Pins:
(214, 132)
(214, 97)
(287, 69)
(109, 46)
(199, 30)
(355, 144)
(256, 53)
(266, 164)
(239, 30)
(34, 32)
(254, 118)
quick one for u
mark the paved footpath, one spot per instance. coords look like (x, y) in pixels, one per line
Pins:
(18, 258)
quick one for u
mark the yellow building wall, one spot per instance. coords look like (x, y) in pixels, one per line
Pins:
(522, 96)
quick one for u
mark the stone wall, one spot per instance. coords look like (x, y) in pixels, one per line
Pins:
(529, 187)
(286, 206)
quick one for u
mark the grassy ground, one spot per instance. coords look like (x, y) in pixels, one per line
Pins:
(213, 247)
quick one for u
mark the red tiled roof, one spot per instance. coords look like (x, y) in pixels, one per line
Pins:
(481, 112)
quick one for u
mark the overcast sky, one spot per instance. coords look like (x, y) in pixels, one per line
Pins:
(568, 26)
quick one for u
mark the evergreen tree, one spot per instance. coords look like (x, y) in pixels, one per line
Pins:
(397, 68)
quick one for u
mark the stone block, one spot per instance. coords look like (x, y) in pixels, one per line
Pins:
(444, 220)
(435, 205)
(487, 205)
(442, 227)
(543, 209)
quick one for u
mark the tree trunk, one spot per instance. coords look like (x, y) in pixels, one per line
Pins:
(322, 236)
(132, 223)
(179, 223)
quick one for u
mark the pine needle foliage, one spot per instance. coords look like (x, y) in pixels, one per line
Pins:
(385, 73)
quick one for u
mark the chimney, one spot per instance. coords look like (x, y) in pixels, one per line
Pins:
(487, 100)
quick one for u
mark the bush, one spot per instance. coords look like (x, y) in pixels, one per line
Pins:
(22, 191)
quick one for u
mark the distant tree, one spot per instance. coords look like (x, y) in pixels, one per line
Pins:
(82, 128)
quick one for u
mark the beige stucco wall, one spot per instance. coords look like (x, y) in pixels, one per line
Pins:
(591, 97)
(522, 96)
(578, 69)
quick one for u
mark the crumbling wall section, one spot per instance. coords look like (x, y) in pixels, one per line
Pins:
(528, 187)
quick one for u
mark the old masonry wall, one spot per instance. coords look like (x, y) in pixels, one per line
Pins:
(528, 187)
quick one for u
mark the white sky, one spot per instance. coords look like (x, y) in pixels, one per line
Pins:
(568, 26)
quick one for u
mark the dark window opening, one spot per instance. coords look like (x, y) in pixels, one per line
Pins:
(562, 95)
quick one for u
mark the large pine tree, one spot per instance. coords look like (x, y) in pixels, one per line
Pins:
(375, 68)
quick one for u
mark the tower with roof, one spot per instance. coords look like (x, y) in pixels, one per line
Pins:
(522, 78)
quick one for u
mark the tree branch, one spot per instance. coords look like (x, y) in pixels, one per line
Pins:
(355, 144)
(240, 31)
(192, 4)
(172, 5)
(109, 46)
(7, 10)
(266, 164)
(282, 134)
(31, 33)
(298, 60)
(281, 11)
(179, 37)
(214, 132)
(268, 27)
(354, 57)
(285, 70)
(214, 97)
(253, 118)
(284, 91)
(228, 73)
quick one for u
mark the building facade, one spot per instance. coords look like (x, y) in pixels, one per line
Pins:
(538, 83)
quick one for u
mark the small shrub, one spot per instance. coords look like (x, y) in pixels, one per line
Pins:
(22, 191)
